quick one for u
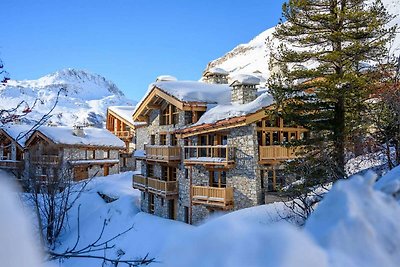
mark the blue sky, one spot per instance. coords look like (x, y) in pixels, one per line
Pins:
(130, 42)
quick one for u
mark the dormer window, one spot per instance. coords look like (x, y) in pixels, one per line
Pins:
(169, 115)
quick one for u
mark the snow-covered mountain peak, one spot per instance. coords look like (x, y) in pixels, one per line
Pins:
(84, 98)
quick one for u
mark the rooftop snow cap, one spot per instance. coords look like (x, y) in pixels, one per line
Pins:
(78, 131)
(215, 75)
(244, 88)
(166, 78)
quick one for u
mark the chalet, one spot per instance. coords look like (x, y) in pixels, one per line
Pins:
(78, 153)
(12, 145)
(120, 123)
(209, 146)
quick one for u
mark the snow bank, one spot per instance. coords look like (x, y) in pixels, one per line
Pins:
(125, 112)
(357, 225)
(390, 182)
(17, 246)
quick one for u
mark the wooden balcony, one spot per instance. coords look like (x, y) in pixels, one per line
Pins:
(139, 182)
(163, 153)
(156, 186)
(11, 164)
(162, 188)
(125, 135)
(210, 155)
(45, 159)
(273, 154)
(213, 197)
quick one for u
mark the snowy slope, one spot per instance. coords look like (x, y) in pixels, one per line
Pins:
(84, 98)
(254, 56)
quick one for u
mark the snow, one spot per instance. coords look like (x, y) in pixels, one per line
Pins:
(222, 112)
(207, 159)
(95, 161)
(244, 79)
(390, 182)
(19, 132)
(125, 112)
(165, 78)
(140, 153)
(217, 71)
(93, 136)
(17, 245)
(355, 225)
(85, 97)
(192, 91)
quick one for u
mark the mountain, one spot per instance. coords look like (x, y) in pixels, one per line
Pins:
(83, 97)
(253, 57)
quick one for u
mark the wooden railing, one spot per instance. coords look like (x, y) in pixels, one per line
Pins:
(123, 134)
(11, 164)
(162, 187)
(276, 153)
(163, 153)
(209, 154)
(213, 196)
(139, 182)
(154, 185)
(45, 159)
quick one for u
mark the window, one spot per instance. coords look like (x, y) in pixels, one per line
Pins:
(163, 139)
(150, 170)
(168, 173)
(173, 140)
(169, 115)
(218, 178)
(151, 203)
(186, 214)
(152, 139)
(186, 173)
(106, 154)
(90, 154)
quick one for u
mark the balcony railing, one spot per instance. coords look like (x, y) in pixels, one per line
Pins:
(276, 153)
(11, 164)
(209, 155)
(156, 186)
(139, 182)
(162, 187)
(213, 196)
(163, 153)
(45, 159)
(124, 134)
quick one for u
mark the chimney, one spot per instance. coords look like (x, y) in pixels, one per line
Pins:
(244, 88)
(78, 131)
(216, 76)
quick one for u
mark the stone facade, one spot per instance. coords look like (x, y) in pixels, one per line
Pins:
(243, 93)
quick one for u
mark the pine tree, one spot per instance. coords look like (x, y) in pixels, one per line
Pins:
(328, 48)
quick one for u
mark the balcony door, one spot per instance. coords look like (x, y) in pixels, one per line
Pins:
(218, 179)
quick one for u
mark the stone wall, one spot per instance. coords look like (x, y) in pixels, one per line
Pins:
(243, 94)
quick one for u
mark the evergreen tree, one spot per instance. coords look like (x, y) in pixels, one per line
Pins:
(328, 48)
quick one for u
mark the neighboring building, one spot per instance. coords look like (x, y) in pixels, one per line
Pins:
(120, 123)
(12, 145)
(208, 147)
(71, 153)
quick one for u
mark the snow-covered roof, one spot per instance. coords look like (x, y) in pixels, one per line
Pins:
(18, 132)
(227, 111)
(244, 79)
(192, 91)
(93, 137)
(216, 70)
(125, 112)
(165, 78)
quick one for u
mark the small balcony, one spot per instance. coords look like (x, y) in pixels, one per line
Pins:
(124, 135)
(273, 154)
(213, 197)
(163, 153)
(156, 186)
(210, 155)
(45, 159)
(11, 164)
(139, 182)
